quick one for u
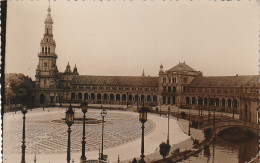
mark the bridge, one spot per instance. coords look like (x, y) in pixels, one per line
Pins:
(221, 125)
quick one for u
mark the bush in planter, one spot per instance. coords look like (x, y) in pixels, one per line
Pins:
(164, 149)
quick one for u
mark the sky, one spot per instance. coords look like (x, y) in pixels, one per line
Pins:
(121, 38)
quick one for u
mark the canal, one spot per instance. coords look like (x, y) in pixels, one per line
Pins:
(221, 151)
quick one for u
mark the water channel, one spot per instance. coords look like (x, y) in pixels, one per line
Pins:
(221, 151)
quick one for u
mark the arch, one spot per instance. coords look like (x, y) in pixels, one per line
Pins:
(229, 103)
(173, 100)
(130, 97)
(93, 96)
(42, 49)
(105, 96)
(112, 97)
(99, 96)
(136, 98)
(200, 101)
(211, 101)
(148, 98)
(117, 97)
(193, 100)
(164, 100)
(45, 49)
(154, 98)
(49, 49)
(85, 96)
(169, 89)
(223, 101)
(73, 96)
(205, 101)
(169, 100)
(164, 88)
(80, 96)
(235, 103)
(142, 98)
(42, 99)
(124, 97)
(217, 101)
(187, 100)
(174, 89)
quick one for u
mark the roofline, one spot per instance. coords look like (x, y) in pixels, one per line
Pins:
(121, 76)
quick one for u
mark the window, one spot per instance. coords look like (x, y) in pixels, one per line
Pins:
(184, 80)
(45, 64)
(44, 81)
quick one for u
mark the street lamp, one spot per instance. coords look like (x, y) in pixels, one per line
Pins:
(199, 103)
(189, 123)
(103, 114)
(143, 118)
(233, 115)
(69, 121)
(127, 100)
(168, 142)
(84, 107)
(24, 111)
(214, 113)
(209, 110)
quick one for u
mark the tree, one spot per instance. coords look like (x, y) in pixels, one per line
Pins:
(164, 149)
(17, 88)
(134, 160)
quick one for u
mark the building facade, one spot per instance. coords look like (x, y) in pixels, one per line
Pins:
(181, 86)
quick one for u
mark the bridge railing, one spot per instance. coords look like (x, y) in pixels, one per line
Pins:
(231, 123)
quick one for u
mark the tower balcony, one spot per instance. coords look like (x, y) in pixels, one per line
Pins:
(47, 55)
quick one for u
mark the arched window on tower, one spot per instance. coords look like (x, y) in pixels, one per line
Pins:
(45, 49)
(49, 49)
(42, 49)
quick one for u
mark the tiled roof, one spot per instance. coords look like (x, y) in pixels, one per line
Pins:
(222, 81)
(116, 80)
(181, 66)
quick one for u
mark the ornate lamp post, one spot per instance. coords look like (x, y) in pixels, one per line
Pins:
(214, 112)
(143, 118)
(103, 114)
(233, 110)
(168, 142)
(127, 100)
(209, 110)
(24, 111)
(84, 107)
(189, 123)
(69, 121)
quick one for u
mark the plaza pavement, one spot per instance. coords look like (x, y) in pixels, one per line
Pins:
(126, 151)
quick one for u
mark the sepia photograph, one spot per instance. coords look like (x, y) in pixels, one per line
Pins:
(130, 81)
